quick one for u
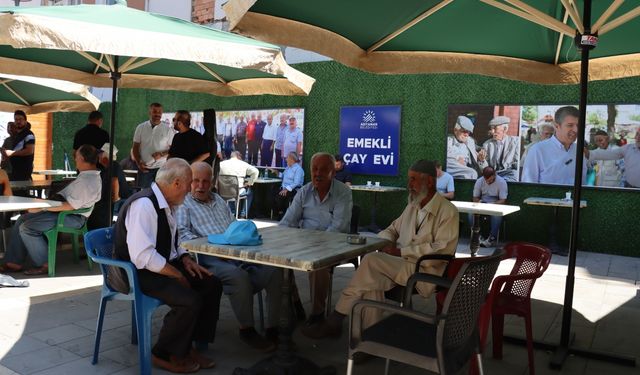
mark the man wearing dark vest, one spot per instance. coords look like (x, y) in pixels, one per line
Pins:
(146, 235)
(24, 143)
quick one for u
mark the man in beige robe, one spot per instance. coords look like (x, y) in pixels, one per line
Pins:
(428, 225)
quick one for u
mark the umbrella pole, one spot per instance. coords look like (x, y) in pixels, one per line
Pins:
(564, 349)
(115, 76)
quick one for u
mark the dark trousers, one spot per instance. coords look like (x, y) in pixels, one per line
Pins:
(241, 146)
(266, 153)
(194, 311)
(279, 161)
(278, 202)
(227, 146)
(252, 157)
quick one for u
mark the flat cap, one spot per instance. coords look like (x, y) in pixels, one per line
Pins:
(465, 123)
(424, 166)
(499, 120)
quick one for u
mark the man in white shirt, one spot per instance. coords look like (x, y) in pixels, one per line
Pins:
(553, 161)
(490, 188)
(27, 234)
(151, 142)
(146, 235)
(246, 174)
(268, 138)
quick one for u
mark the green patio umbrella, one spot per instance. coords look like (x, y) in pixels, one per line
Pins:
(527, 40)
(114, 45)
(38, 95)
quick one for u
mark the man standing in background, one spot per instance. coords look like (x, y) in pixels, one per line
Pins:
(24, 145)
(92, 133)
(279, 144)
(151, 142)
(260, 125)
(188, 144)
(240, 136)
(268, 139)
(293, 139)
(252, 143)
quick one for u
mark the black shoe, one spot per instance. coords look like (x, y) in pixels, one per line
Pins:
(324, 329)
(314, 319)
(301, 315)
(254, 340)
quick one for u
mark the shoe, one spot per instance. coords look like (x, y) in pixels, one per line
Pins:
(37, 271)
(202, 360)
(323, 329)
(10, 267)
(489, 242)
(256, 341)
(314, 319)
(362, 357)
(175, 365)
(301, 315)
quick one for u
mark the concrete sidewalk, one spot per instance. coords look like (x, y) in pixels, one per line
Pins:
(49, 327)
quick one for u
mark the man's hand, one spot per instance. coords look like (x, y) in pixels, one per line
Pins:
(157, 155)
(461, 160)
(142, 167)
(283, 192)
(8, 153)
(194, 268)
(391, 249)
(183, 281)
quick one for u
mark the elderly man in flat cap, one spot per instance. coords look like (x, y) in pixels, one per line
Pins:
(503, 151)
(463, 159)
(428, 225)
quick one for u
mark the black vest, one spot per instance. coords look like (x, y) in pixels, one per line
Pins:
(118, 280)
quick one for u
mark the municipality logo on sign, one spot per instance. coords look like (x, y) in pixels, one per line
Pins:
(369, 120)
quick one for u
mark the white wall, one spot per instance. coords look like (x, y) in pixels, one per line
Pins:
(175, 8)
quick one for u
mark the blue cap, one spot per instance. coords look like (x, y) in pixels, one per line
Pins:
(243, 233)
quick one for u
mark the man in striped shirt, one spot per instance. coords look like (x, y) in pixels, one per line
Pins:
(204, 212)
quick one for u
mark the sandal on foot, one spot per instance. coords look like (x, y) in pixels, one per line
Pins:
(37, 271)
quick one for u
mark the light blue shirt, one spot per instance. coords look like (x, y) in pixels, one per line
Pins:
(292, 177)
(333, 214)
(548, 162)
(280, 136)
(198, 219)
(631, 155)
(444, 183)
(489, 193)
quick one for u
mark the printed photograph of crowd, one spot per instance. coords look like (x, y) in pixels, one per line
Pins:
(537, 143)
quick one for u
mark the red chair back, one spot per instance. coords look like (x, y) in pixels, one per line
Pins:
(531, 260)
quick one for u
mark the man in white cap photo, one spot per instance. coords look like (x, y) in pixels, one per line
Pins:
(463, 159)
(503, 150)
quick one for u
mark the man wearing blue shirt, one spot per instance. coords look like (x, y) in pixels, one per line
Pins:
(292, 179)
(444, 184)
(490, 188)
(323, 204)
(553, 161)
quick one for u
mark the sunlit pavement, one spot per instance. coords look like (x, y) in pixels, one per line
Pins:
(48, 328)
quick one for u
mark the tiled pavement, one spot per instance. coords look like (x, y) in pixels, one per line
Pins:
(49, 327)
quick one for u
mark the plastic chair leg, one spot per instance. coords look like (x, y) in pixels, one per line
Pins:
(261, 310)
(497, 326)
(134, 325)
(143, 316)
(96, 346)
(75, 246)
(527, 321)
(52, 244)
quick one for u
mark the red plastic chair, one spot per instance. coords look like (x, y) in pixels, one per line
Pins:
(511, 294)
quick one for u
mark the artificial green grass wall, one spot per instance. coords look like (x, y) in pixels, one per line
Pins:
(608, 224)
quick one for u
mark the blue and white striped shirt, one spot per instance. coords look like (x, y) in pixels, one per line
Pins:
(199, 219)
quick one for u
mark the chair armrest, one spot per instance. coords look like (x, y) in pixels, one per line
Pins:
(63, 214)
(448, 258)
(355, 323)
(499, 281)
(426, 278)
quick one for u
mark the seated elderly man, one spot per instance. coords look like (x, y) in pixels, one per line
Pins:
(146, 234)
(204, 213)
(323, 204)
(490, 188)
(292, 179)
(428, 225)
(246, 174)
(27, 236)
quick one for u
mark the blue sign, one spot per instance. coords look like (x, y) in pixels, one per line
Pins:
(370, 139)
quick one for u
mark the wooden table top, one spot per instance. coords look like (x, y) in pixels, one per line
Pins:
(13, 203)
(377, 189)
(298, 249)
(555, 202)
(485, 208)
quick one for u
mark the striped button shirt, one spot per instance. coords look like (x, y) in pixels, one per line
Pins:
(198, 219)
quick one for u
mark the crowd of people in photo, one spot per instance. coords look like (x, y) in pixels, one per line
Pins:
(175, 200)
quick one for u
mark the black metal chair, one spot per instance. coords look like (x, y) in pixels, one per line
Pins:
(443, 343)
